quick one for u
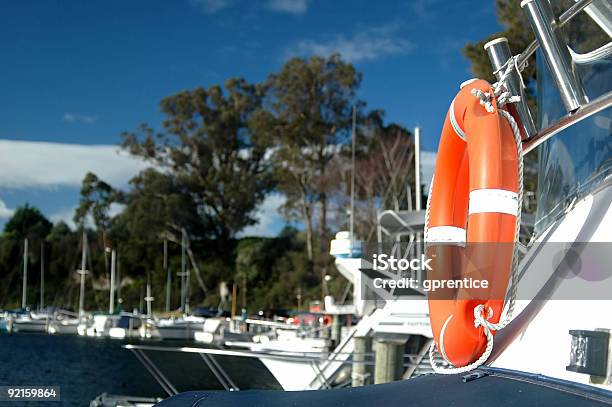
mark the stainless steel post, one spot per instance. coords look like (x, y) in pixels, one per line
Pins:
(558, 58)
(499, 53)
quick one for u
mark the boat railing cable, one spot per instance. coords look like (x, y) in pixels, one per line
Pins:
(165, 384)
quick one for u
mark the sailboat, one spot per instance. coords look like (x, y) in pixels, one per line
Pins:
(185, 326)
(30, 321)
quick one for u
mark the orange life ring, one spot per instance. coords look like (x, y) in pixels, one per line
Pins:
(473, 205)
(327, 320)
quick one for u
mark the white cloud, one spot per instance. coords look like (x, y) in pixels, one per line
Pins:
(424, 9)
(27, 164)
(288, 6)
(64, 215)
(365, 45)
(210, 6)
(67, 214)
(268, 216)
(5, 212)
(79, 118)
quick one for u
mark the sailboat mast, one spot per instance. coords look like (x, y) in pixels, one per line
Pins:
(188, 272)
(168, 276)
(149, 298)
(183, 267)
(111, 303)
(417, 167)
(352, 209)
(118, 280)
(24, 293)
(42, 275)
(82, 272)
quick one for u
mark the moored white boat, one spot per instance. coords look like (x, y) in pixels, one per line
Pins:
(182, 328)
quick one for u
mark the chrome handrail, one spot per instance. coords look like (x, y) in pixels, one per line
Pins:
(564, 18)
(591, 108)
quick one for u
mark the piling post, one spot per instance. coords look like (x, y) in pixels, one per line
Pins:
(389, 360)
(361, 370)
(336, 327)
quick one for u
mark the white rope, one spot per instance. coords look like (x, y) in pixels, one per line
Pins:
(503, 97)
(426, 228)
(479, 320)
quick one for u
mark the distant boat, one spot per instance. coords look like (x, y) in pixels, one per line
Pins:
(4, 321)
(63, 323)
(182, 328)
(30, 322)
(117, 326)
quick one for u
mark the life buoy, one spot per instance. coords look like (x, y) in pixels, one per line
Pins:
(327, 320)
(471, 225)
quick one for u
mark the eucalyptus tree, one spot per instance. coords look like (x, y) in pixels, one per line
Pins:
(207, 147)
(305, 118)
(210, 174)
(97, 196)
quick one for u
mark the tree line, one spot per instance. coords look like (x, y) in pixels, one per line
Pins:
(218, 153)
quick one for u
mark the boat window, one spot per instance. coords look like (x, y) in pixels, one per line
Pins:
(578, 159)
(124, 322)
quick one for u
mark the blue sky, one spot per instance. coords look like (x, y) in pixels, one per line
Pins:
(81, 72)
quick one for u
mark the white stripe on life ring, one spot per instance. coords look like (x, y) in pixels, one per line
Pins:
(446, 234)
(442, 351)
(454, 123)
(493, 201)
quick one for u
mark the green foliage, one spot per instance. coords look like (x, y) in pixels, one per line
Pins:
(275, 270)
(306, 115)
(158, 204)
(208, 148)
(96, 198)
(27, 221)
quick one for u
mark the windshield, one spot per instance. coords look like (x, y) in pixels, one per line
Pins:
(575, 161)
